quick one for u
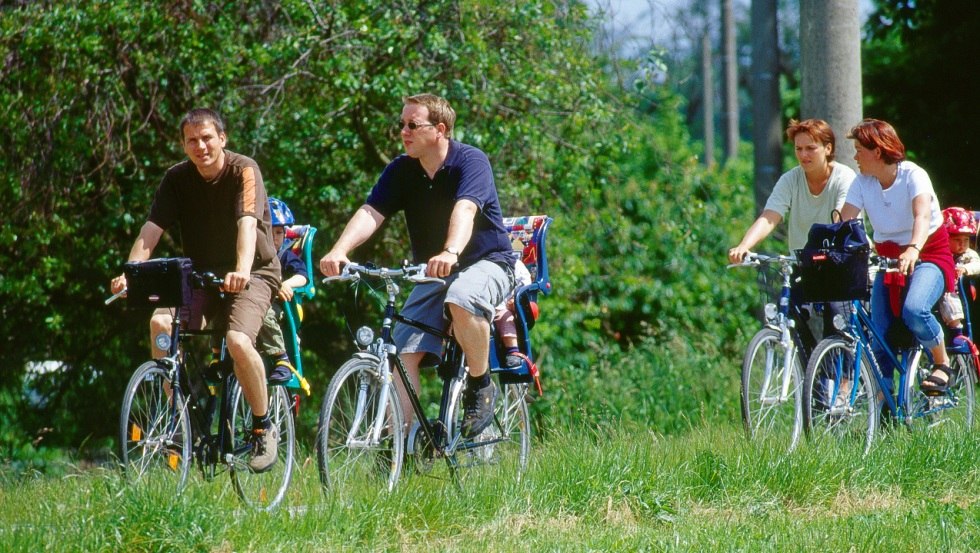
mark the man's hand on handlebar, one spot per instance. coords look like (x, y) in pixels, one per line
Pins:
(118, 284)
(441, 265)
(332, 263)
(235, 282)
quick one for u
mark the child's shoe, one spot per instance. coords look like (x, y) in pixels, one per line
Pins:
(282, 371)
(513, 359)
(960, 344)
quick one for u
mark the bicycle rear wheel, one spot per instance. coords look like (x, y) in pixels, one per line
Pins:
(832, 407)
(263, 491)
(506, 443)
(154, 429)
(772, 391)
(952, 411)
(349, 453)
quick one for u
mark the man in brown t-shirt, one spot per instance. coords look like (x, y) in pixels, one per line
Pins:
(218, 201)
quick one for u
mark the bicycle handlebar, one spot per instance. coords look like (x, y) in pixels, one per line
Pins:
(201, 281)
(411, 273)
(755, 259)
(885, 263)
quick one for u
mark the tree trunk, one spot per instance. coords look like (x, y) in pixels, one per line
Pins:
(766, 107)
(730, 79)
(830, 60)
(709, 100)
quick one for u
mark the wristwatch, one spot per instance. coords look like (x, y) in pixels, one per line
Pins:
(453, 251)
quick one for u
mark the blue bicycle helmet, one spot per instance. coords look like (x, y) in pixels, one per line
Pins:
(281, 214)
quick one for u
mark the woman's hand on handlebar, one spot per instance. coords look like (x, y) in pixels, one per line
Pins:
(906, 261)
(737, 254)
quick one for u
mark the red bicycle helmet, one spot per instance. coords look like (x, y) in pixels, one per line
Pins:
(959, 221)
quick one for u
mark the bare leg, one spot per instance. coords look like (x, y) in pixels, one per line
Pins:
(250, 371)
(939, 355)
(160, 323)
(411, 362)
(473, 334)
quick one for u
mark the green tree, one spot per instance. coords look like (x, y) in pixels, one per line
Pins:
(918, 75)
(92, 93)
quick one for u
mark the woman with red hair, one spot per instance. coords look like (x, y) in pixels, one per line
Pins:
(908, 226)
(806, 194)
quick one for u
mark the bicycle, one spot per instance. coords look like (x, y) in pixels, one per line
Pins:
(168, 417)
(844, 392)
(772, 367)
(361, 431)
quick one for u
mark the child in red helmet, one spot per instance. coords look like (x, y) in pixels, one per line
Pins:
(961, 226)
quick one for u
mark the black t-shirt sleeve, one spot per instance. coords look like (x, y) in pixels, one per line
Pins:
(386, 195)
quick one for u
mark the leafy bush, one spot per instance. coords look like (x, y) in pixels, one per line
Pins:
(94, 94)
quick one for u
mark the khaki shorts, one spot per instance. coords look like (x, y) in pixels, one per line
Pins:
(477, 289)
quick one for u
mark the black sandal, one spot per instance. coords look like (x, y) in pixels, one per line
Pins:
(932, 385)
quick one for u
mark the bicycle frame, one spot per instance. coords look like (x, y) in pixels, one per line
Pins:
(201, 423)
(384, 352)
(862, 331)
(790, 341)
(782, 321)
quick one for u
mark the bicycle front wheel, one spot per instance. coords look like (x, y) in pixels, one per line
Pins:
(265, 490)
(361, 438)
(952, 411)
(772, 390)
(155, 431)
(840, 395)
(506, 443)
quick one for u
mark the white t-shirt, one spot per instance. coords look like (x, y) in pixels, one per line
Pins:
(890, 211)
(792, 194)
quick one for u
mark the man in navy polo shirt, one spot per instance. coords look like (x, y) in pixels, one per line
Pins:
(447, 192)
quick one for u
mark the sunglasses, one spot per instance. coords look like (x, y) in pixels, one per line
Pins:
(412, 125)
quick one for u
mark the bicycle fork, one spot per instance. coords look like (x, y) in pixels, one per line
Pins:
(355, 438)
(789, 347)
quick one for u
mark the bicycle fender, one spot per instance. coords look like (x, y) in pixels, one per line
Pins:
(366, 356)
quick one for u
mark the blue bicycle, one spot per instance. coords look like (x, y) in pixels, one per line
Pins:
(845, 395)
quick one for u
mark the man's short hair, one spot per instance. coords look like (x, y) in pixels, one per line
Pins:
(439, 110)
(200, 116)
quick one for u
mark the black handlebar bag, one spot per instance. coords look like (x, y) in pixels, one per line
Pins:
(164, 282)
(834, 263)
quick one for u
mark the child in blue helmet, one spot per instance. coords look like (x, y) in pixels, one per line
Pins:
(270, 342)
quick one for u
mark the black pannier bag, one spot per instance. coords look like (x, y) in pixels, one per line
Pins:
(161, 282)
(834, 263)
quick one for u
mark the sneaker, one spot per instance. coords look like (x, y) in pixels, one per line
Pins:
(282, 372)
(478, 409)
(265, 449)
(513, 361)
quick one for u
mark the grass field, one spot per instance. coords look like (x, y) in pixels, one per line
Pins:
(591, 489)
